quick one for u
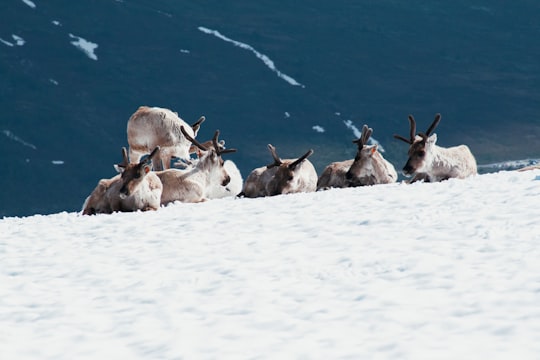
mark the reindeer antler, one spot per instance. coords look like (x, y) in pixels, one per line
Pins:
(125, 159)
(300, 159)
(193, 141)
(434, 124)
(412, 131)
(219, 147)
(197, 124)
(364, 137)
(277, 160)
(148, 159)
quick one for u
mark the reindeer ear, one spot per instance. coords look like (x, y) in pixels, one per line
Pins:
(146, 169)
(432, 139)
(373, 149)
(119, 168)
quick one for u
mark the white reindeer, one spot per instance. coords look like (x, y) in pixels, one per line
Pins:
(194, 183)
(149, 127)
(281, 177)
(218, 191)
(136, 188)
(430, 162)
(233, 188)
(369, 167)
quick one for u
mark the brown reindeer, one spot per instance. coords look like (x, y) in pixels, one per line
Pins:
(368, 167)
(136, 188)
(281, 177)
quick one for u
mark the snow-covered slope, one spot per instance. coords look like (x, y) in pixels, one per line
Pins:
(434, 271)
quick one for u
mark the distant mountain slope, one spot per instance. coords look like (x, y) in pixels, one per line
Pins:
(72, 74)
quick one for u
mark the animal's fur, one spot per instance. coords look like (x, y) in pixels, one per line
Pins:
(149, 127)
(371, 168)
(368, 167)
(97, 202)
(255, 184)
(281, 177)
(232, 188)
(195, 183)
(430, 162)
(334, 175)
(136, 188)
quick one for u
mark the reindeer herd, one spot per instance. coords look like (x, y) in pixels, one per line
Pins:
(147, 181)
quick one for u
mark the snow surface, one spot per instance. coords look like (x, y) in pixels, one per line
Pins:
(19, 41)
(448, 270)
(85, 46)
(29, 3)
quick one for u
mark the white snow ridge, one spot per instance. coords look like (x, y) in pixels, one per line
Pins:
(265, 59)
(14, 137)
(85, 46)
(29, 3)
(444, 270)
(19, 41)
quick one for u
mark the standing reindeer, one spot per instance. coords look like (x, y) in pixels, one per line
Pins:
(430, 162)
(281, 177)
(149, 127)
(369, 167)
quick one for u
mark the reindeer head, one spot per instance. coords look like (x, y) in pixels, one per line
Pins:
(133, 174)
(284, 179)
(211, 159)
(420, 146)
(361, 170)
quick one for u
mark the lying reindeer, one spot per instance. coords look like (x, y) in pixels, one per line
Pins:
(218, 191)
(194, 183)
(135, 188)
(281, 177)
(433, 163)
(367, 168)
(97, 202)
(149, 127)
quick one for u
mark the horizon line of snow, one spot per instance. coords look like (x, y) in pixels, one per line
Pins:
(510, 164)
(265, 59)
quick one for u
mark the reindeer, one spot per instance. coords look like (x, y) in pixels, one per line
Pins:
(135, 188)
(368, 167)
(232, 188)
(97, 202)
(432, 163)
(218, 191)
(281, 177)
(255, 184)
(149, 127)
(193, 184)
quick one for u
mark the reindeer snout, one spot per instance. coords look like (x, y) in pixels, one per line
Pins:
(124, 192)
(226, 181)
(407, 169)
